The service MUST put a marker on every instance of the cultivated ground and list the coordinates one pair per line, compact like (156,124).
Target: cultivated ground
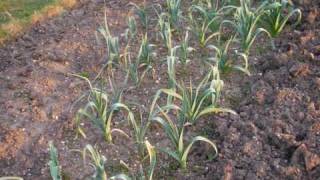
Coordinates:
(276,134)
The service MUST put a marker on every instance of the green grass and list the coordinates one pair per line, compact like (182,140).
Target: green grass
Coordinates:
(21,9)
(17,15)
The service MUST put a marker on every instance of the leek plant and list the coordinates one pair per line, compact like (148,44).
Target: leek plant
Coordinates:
(113,48)
(131,32)
(171,63)
(152,159)
(184,50)
(225,61)
(145,52)
(274,18)
(143,61)
(165,31)
(174,11)
(98,162)
(145,173)
(99,110)
(204,28)
(176,135)
(194,101)
(55,170)
(142,14)
(116,91)
(139,128)
(246,24)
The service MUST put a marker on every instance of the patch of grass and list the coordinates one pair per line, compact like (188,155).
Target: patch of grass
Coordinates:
(21,9)
(16,15)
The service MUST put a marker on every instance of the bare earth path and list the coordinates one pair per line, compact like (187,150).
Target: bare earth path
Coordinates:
(275,136)
(35,90)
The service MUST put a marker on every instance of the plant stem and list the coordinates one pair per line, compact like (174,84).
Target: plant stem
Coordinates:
(273,45)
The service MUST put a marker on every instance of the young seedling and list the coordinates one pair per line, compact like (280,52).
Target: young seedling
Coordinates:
(176,135)
(55,170)
(274,18)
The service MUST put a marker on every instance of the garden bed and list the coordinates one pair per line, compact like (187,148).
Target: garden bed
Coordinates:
(275,133)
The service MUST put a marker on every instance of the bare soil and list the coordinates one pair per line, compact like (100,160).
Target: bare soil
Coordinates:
(276,134)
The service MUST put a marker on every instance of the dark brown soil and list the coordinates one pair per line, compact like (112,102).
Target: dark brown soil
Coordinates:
(276,134)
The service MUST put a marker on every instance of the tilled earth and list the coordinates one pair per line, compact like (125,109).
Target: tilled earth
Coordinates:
(276,134)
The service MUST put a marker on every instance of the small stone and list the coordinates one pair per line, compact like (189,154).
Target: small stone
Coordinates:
(315,128)
(299,69)
(311,107)
(292,171)
(300,116)
(312,160)
(317,82)
(228,172)
(252,148)
(262,92)
(312,15)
